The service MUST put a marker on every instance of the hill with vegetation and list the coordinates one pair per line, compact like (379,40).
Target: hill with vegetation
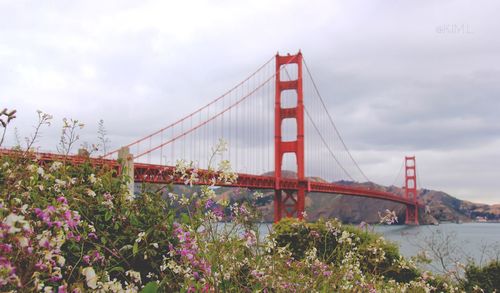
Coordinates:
(441,207)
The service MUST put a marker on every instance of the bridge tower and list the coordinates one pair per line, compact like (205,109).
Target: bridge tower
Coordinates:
(289,203)
(411,191)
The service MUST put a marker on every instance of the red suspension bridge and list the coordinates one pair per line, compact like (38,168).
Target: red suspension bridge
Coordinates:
(272,121)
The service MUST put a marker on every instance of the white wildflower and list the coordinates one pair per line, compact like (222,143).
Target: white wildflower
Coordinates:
(90,277)
(55,166)
(140,237)
(91,193)
(135,276)
(12,219)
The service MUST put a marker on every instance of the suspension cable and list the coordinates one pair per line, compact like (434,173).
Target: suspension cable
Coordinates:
(328,147)
(195,112)
(331,121)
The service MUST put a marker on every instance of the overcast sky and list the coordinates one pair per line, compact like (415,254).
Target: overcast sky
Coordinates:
(399,77)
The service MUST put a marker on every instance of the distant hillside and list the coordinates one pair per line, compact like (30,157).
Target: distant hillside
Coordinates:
(354,209)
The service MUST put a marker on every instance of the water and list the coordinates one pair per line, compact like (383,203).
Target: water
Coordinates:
(478,242)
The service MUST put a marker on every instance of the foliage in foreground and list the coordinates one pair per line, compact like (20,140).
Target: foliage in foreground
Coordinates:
(486,278)
(67,228)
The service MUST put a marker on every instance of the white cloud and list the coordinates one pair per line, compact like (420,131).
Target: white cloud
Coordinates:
(394,84)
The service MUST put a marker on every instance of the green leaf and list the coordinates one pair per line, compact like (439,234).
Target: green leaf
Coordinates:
(135,249)
(107,215)
(133,220)
(117,269)
(125,248)
(185,218)
(150,287)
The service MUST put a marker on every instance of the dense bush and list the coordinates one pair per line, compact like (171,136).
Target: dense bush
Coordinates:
(333,241)
(486,278)
(63,224)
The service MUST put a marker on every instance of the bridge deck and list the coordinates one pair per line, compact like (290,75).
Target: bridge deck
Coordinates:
(164,174)
(151,173)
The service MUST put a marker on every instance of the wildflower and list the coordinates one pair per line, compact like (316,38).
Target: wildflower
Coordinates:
(60,183)
(226,175)
(258,195)
(250,238)
(140,237)
(62,200)
(91,193)
(24,208)
(12,219)
(92,178)
(209,204)
(60,260)
(90,277)
(62,289)
(40,171)
(55,166)
(72,218)
(184,200)
(173,197)
(135,276)
(6,248)
(7,272)
(314,234)
(192,178)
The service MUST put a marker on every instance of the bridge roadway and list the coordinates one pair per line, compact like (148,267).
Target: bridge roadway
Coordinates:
(151,173)
(164,174)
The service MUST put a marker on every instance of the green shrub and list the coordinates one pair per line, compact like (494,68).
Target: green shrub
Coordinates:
(332,241)
(77,217)
(486,278)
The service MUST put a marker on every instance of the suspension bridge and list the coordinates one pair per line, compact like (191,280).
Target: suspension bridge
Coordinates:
(280,136)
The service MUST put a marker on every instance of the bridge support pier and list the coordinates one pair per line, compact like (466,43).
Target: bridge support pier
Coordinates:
(411,215)
(289,203)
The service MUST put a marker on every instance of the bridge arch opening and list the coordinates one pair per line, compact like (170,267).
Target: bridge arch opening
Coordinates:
(289,72)
(289,129)
(289,163)
(288,99)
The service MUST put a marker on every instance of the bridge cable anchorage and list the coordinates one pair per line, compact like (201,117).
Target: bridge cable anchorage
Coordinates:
(333,123)
(195,112)
(321,136)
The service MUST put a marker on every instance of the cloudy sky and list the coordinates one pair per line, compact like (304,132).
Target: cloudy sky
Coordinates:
(399,77)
